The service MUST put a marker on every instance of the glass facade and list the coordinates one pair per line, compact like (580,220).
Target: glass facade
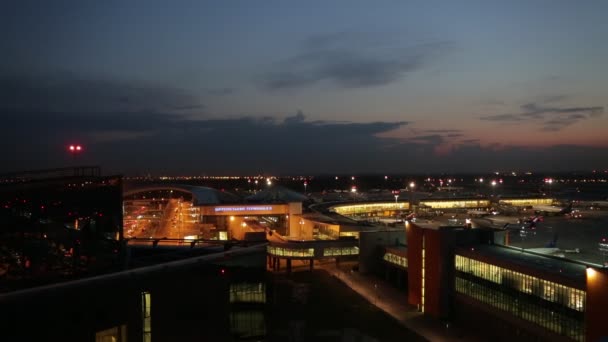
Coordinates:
(248,325)
(353,234)
(291,252)
(371,208)
(338,251)
(395,259)
(146,313)
(326,232)
(551,305)
(456,204)
(520,202)
(248,293)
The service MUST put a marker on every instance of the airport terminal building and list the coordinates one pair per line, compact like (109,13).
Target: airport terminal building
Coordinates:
(455,272)
(451,271)
(460,274)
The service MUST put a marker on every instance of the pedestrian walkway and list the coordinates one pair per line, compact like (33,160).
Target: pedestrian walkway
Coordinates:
(394,302)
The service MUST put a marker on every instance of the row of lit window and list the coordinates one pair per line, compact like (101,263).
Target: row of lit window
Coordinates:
(456,204)
(361,208)
(248,293)
(423,271)
(395,259)
(528,201)
(337,251)
(353,234)
(519,307)
(548,290)
(291,252)
(146,310)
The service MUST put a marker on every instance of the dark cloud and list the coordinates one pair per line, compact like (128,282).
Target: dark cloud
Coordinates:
(443,131)
(561,122)
(127,142)
(433,139)
(552,118)
(503,117)
(349,63)
(150,129)
(142,142)
(297,118)
(66,93)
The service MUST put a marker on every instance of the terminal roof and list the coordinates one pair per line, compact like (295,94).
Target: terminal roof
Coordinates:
(553,267)
(277,194)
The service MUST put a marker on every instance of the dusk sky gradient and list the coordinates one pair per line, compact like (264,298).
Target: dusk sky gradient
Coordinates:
(285,87)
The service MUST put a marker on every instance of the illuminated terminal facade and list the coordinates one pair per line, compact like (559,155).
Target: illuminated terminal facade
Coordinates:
(227,216)
(460,274)
(466,275)
(451,272)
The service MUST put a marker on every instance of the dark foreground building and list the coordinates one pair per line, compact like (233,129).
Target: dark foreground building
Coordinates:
(57,225)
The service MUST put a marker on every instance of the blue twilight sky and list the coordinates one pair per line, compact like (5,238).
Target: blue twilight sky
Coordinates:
(248,87)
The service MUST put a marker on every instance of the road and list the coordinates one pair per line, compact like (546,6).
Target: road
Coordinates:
(394,302)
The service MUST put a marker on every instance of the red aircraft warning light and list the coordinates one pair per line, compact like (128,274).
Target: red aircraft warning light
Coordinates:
(75,148)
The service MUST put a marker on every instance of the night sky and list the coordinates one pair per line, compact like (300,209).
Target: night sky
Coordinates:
(304,87)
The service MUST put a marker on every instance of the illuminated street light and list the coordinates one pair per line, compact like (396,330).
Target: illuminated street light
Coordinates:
(549,181)
(396,206)
(412,186)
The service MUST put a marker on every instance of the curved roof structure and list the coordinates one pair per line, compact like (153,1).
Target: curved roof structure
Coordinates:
(277,194)
(201,195)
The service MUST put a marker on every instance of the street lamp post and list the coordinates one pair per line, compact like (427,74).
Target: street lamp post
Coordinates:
(396,206)
(493,187)
(305,184)
(412,186)
(549,181)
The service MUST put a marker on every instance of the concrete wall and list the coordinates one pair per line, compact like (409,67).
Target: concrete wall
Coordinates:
(295,216)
